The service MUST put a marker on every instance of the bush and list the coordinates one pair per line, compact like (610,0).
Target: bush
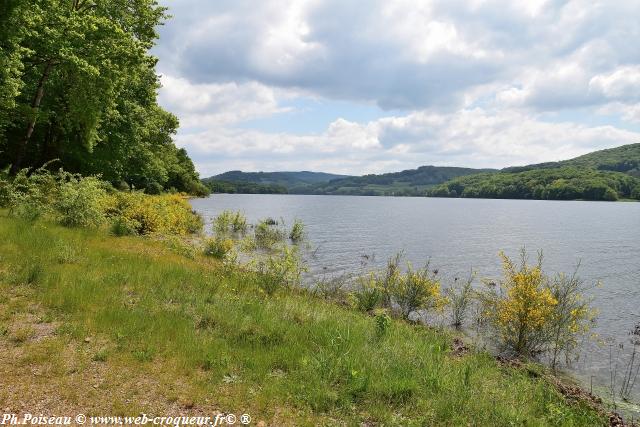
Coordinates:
(281,270)
(230,222)
(533,314)
(459,301)
(416,290)
(146,214)
(367,294)
(218,247)
(267,234)
(297,231)
(154,188)
(79,201)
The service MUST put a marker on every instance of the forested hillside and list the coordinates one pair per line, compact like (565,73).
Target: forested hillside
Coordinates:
(610,174)
(624,159)
(284,179)
(78,90)
(411,182)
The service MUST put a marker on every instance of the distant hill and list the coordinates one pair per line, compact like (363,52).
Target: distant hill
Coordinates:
(609,174)
(625,159)
(410,182)
(285,179)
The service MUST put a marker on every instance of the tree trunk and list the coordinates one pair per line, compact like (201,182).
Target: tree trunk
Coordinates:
(35,107)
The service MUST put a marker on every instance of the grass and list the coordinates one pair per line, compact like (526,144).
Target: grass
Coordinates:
(139,327)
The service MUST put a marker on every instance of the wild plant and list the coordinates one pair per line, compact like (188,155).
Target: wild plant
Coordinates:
(297,231)
(459,300)
(532,314)
(382,321)
(281,270)
(572,316)
(218,247)
(367,293)
(267,234)
(415,290)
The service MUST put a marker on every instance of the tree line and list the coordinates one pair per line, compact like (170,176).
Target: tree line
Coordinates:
(563,183)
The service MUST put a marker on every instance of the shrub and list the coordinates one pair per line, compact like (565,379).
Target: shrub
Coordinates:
(239,223)
(459,301)
(230,222)
(154,188)
(146,214)
(416,290)
(281,270)
(572,317)
(79,201)
(297,231)
(267,234)
(121,226)
(521,310)
(218,247)
(533,314)
(367,294)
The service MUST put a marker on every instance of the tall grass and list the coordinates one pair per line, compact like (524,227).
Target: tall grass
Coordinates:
(292,358)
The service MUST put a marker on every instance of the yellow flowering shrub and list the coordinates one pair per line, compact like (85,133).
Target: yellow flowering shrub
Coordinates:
(146,214)
(533,314)
(417,290)
(526,307)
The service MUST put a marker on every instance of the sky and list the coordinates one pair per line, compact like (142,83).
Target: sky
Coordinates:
(373,86)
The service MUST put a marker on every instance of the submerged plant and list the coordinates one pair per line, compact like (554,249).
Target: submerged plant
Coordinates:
(297,231)
(417,290)
(267,234)
(459,301)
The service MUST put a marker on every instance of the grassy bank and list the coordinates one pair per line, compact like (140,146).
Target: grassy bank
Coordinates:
(117,326)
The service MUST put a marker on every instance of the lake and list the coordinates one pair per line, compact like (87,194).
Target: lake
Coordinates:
(462,234)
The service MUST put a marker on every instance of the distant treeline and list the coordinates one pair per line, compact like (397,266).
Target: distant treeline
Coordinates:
(217,186)
(560,183)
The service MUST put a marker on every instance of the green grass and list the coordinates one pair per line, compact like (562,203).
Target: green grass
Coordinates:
(289,359)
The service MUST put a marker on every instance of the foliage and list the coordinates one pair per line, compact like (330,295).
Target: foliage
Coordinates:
(74,201)
(79,201)
(602,175)
(230,222)
(383,322)
(146,214)
(77,84)
(267,233)
(281,270)
(367,293)
(533,314)
(218,186)
(417,290)
(459,301)
(297,231)
(573,316)
(218,247)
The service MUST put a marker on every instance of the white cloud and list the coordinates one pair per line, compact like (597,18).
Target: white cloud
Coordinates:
(202,105)
(468,80)
(474,137)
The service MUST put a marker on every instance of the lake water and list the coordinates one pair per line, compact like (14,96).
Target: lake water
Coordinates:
(460,234)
